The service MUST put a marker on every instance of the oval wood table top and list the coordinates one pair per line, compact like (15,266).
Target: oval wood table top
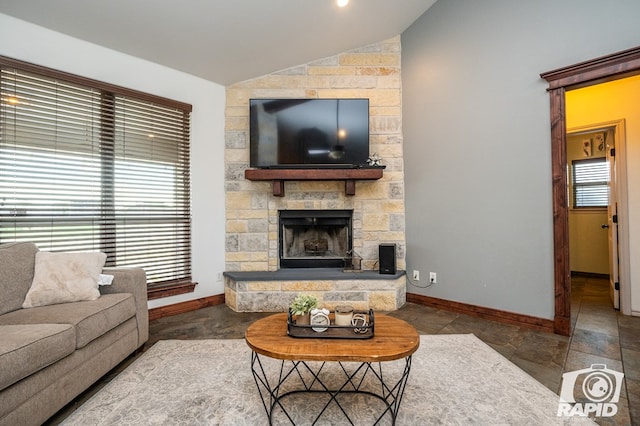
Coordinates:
(393,339)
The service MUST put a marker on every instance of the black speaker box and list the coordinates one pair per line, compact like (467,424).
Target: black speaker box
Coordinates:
(387,258)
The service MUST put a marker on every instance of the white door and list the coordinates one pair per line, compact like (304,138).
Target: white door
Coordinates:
(612,223)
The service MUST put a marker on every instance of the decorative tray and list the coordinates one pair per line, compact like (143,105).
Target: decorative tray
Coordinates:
(331,330)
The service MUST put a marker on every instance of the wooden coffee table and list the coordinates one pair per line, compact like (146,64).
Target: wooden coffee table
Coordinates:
(393,339)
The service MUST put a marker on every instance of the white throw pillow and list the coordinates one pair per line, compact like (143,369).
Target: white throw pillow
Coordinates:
(64,277)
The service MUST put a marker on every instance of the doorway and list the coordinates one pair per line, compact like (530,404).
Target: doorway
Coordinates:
(599,70)
(593,186)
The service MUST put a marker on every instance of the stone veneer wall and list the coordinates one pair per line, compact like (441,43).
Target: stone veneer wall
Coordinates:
(371,72)
(262,292)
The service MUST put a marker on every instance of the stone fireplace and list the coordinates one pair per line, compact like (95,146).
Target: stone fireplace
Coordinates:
(260,274)
(315,238)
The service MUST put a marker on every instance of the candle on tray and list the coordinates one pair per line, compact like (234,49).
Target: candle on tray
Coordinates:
(344,314)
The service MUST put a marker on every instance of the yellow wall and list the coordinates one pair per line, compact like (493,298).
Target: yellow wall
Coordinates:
(607,102)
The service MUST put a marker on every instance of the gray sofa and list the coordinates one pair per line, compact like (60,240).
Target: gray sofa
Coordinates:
(51,354)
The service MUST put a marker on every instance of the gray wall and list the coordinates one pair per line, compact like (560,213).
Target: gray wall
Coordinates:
(477,140)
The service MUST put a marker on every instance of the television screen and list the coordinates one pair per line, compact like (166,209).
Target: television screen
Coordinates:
(309,132)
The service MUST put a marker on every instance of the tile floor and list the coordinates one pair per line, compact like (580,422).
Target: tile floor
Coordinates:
(600,336)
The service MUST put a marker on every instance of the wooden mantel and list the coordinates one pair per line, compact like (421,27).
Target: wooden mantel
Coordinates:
(279,176)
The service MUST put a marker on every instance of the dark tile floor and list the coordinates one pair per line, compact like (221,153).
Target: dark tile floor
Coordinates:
(600,336)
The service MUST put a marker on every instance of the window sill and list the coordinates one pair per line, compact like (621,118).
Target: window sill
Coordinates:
(170,290)
(588,210)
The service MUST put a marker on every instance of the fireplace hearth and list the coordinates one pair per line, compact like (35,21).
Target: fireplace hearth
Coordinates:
(315,238)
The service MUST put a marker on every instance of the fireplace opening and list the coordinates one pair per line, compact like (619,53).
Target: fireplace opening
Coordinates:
(315,238)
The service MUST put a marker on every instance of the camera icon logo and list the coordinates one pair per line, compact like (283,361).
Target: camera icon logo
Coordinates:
(594,390)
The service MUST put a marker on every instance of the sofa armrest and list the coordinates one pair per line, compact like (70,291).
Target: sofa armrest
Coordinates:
(134,281)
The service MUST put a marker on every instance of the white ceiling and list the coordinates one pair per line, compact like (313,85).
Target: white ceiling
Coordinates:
(223,41)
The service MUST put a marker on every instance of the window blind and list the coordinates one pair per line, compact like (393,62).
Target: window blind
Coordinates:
(85,168)
(590,182)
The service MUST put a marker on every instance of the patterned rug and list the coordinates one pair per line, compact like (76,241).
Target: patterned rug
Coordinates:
(454,380)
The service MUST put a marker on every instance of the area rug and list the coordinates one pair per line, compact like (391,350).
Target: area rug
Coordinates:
(454,380)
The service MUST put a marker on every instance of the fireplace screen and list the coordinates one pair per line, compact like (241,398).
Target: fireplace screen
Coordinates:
(314,238)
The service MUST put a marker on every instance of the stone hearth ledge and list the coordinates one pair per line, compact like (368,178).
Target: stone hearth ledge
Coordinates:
(273,291)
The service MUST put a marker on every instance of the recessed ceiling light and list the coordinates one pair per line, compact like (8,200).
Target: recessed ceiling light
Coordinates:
(342,3)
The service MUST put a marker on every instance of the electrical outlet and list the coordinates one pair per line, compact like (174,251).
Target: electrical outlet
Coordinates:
(432,277)
(219,276)
(416,275)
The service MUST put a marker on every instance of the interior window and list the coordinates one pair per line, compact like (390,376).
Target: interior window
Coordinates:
(590,182)
(85,166)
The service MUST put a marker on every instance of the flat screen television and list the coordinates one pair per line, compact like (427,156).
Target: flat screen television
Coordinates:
(294,133)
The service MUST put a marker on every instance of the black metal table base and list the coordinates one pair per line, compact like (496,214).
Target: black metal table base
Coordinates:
(295,377)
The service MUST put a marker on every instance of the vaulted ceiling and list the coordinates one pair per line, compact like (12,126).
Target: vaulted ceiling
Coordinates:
(224,41)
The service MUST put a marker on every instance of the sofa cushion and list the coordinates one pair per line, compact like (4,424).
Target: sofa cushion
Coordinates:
(90,318)
(16,263)
(64,277)
(25,349)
